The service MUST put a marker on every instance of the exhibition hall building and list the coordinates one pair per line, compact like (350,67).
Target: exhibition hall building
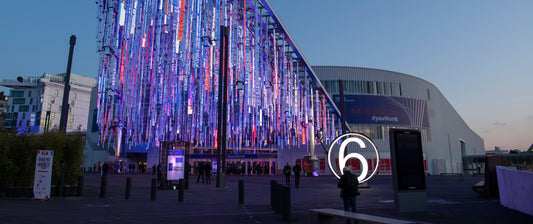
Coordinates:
(377,101)
(225,83)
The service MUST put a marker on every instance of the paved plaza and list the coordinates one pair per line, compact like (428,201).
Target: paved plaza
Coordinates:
(450,200)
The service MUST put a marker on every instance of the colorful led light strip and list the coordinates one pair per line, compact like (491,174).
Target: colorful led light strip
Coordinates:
(158,76)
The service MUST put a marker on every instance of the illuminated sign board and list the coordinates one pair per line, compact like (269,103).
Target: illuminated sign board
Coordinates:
(353,146)
(384,110)
(176,165)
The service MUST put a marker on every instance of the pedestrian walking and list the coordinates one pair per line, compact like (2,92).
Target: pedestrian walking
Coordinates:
(201,172)
(287,172)
(297,169)
(208,169)
(349,186)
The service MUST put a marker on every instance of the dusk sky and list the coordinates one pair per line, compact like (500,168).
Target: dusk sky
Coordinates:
(478,53)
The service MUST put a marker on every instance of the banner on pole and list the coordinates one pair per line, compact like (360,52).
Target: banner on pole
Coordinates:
(43,174)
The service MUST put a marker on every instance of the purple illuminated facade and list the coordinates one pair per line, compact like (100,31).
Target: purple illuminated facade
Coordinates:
(159,73)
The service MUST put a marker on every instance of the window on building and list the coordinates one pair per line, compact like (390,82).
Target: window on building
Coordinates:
(53,100)
(71,118)
(55,92)
(429,97)
(29,93)
(379,88)
(31,100)
(16,94)
(24,108)
(72,103)
(69,125)
(19,100)
(8,116)
(53,115)
(23,116)
(49,106)
(74,96)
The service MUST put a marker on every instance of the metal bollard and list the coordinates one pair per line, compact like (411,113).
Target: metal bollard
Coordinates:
(181,190)
(103,186)
(272,194)
(154,186)
(128,188)
(278,198)
(80,186)
(241,192)
(286,204)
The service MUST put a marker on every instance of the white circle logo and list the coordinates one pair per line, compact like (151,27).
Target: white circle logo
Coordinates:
(353,152)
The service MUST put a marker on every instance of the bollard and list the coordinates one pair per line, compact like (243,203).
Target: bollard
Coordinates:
(286,204)
(241,192)
(154,186)
(103,186)
(277,197)
(80,186)
(272,198)
(181,190)
(128,188)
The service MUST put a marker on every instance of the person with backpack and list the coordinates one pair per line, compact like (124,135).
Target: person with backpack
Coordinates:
(349,186)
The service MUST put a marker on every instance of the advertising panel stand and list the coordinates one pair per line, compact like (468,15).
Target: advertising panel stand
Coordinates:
(408,170)
(43,174)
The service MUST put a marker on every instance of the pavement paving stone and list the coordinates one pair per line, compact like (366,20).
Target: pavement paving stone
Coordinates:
(450,200)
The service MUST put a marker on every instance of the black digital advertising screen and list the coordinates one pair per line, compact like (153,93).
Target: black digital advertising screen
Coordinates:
(407,160)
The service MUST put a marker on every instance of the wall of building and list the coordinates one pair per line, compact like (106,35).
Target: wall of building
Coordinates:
(442,148)
(37,96)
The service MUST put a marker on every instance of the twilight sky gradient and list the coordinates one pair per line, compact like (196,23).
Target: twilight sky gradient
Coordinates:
(479,53)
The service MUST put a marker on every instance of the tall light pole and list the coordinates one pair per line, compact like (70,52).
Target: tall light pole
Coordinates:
(66,89)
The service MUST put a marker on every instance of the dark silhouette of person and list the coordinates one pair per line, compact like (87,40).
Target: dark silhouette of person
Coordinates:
(201,172)
(208,168)
(297,169)
(287,172)
(105,168)
(349,186)
(159,172)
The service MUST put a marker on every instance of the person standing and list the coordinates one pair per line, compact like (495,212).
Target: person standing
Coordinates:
(201,172)
(297,169)
(105,167)
(208,168)
(287,172)
(349,186)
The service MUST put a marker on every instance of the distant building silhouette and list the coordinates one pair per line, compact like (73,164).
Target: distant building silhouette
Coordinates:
(34,103)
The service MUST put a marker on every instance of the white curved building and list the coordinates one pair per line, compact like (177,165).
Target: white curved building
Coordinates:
(378,100)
